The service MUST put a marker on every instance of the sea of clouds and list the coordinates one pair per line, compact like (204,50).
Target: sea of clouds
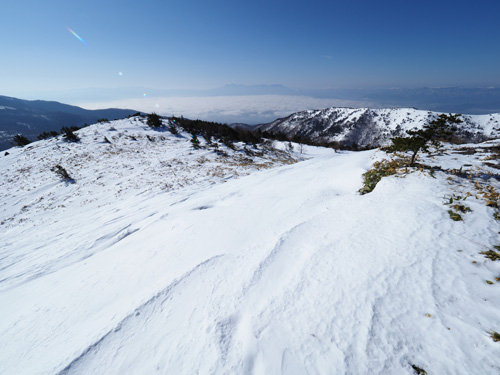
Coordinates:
(250,109)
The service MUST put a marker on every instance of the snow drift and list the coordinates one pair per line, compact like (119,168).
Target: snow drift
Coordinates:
(165,259)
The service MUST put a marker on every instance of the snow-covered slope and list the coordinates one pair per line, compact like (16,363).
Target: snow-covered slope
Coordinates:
(157,259)
(372,127)
(115,167)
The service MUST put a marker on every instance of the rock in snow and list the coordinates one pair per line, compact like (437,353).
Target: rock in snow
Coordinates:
(159,258)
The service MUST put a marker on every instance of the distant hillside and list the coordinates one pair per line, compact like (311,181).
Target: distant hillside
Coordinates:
(366,127)
(32,117)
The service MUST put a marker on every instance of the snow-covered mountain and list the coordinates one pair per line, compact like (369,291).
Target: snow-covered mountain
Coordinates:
(157,255)
(367,127)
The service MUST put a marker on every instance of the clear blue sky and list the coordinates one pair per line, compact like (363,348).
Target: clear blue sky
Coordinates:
(205,44)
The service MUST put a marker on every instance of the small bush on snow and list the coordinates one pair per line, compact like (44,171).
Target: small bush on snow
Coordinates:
(63,173)
(47,135)
(20,140)
(68,134)
(154,120)
(172,126)
(194,141)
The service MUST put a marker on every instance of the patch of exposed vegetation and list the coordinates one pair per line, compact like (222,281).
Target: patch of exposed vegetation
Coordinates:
(457,208)
(47,135)
(492,254)
(455,216)
(490,194)
(465,151)
(213,130)
(380,169)
(418,370)
(460,208)
(495,336)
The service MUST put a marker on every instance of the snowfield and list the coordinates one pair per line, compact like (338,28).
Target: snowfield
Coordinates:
(159,258)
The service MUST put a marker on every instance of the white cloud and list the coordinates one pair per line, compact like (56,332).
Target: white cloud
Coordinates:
(251,109)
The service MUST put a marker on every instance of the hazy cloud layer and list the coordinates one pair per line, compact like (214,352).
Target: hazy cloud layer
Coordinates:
(251,109)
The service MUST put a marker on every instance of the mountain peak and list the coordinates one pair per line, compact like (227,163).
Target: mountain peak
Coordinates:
(367,127)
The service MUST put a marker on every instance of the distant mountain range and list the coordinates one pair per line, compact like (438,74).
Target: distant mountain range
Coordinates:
(367,127)
(364,127)
(32,117)
(441,99)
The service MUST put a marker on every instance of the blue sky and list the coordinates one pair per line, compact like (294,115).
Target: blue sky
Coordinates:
(194,44)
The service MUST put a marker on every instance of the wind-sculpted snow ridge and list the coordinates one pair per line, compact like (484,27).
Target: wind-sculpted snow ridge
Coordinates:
(113,170)
(284,270)
(367,127)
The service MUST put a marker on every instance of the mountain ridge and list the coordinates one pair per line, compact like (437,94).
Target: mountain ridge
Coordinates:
(32,117)
(369,127)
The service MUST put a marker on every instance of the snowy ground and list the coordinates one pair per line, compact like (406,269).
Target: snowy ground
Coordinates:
(158,261)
